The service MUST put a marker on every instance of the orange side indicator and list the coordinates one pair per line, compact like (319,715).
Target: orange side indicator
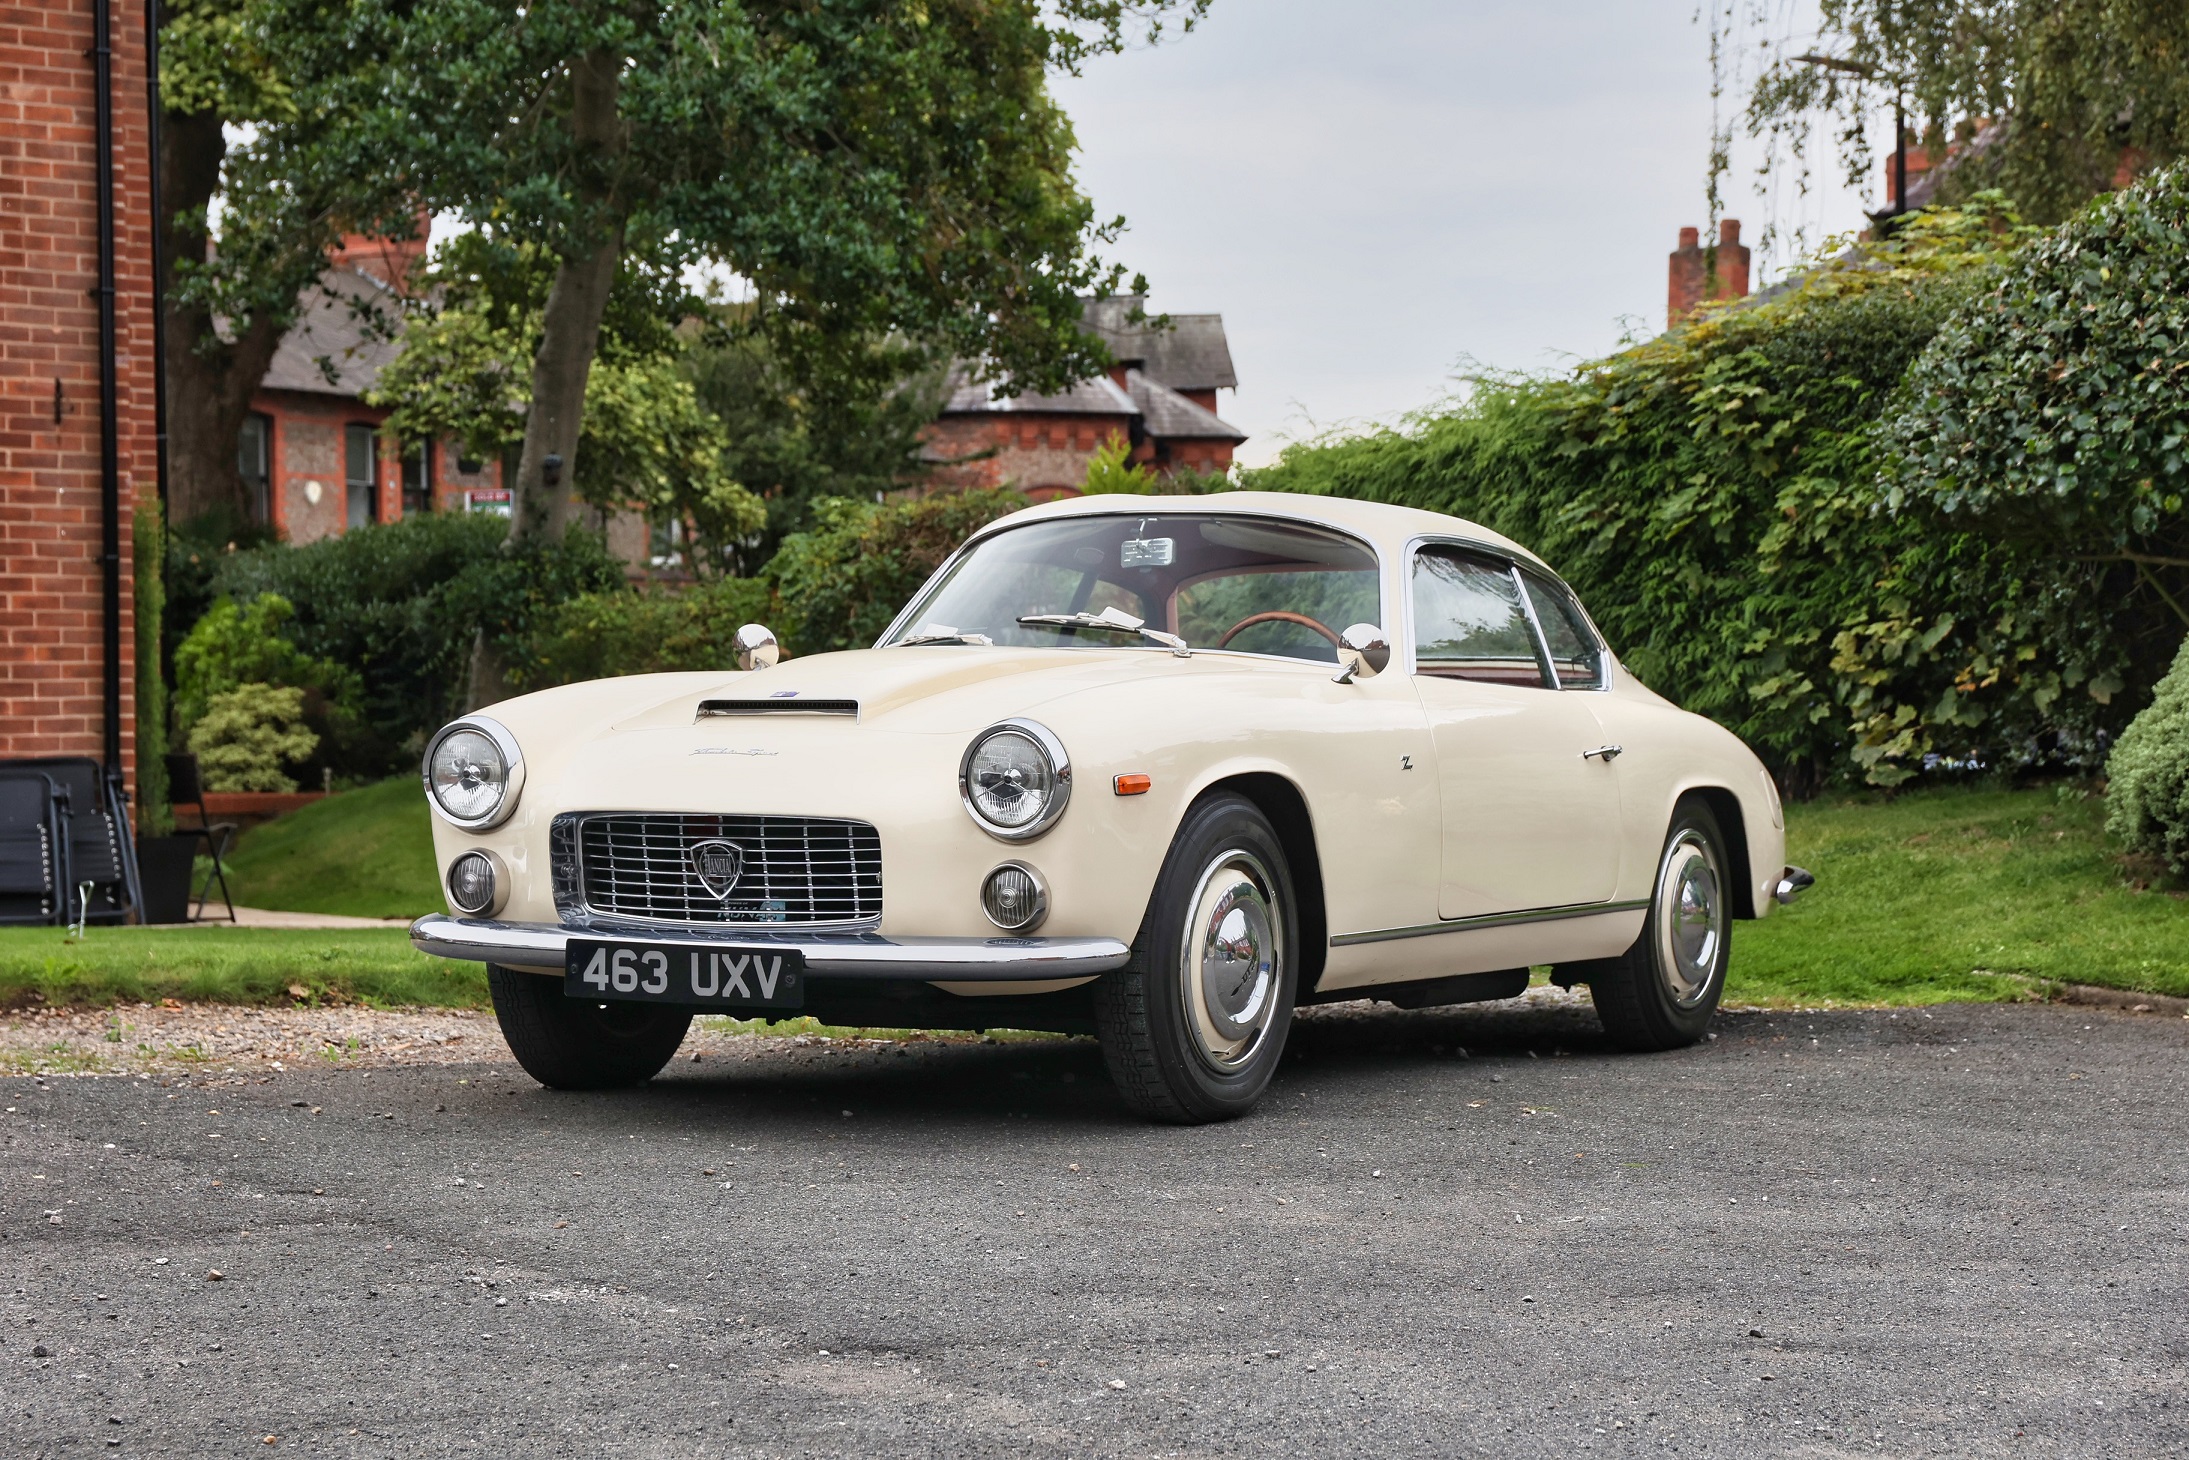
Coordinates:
(1135,785)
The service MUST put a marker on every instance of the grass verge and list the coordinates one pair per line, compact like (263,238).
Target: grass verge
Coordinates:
(366,853)
(1946,895)
(230,966)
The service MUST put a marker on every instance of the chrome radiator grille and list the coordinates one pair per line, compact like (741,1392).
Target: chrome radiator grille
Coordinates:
(792,869)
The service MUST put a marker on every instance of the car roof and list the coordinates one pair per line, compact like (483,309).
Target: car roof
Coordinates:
(1387,526)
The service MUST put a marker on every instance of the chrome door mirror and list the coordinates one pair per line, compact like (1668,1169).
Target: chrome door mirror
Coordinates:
(756,647)
(1363,653)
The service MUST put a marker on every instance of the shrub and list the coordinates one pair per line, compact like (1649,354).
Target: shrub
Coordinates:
(2147,776)
(841,583)
(402,604)
(1109,471)
(238,644)
(605,634)
(248,734)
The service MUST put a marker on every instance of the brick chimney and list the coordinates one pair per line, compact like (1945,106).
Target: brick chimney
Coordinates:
(1696,273)
(387,259)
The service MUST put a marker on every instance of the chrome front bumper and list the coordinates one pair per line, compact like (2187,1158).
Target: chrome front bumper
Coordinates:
(827,955)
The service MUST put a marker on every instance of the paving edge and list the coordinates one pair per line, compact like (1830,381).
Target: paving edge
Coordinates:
(2124,999)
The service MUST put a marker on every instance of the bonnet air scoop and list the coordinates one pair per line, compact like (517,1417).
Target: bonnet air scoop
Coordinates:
(780,705)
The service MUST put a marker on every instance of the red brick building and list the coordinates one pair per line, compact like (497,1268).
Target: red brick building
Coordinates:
(68,482)
(1160,397)
(312,451)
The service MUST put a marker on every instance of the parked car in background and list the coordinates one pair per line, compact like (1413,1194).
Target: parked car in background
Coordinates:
(1158,769)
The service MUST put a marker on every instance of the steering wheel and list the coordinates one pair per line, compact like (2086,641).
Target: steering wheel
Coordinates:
(1277,616)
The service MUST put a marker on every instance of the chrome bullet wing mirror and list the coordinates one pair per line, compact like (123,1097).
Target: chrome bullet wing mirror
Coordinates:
(1363,653)
(756,647)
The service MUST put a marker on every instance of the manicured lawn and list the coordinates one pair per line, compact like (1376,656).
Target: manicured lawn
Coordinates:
(1958,894)
(366,853)
(1922,898)
(229,966)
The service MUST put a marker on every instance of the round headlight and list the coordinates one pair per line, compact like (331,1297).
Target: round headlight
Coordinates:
(473,773)
(1015,779)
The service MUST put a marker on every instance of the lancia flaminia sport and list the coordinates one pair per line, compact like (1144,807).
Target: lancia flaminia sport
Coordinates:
(1155,768)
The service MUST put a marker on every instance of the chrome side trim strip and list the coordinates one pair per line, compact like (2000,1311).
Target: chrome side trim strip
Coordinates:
(1490,920)
(868,955)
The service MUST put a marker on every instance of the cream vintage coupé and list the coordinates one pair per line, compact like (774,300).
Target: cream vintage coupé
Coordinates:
(1156,768)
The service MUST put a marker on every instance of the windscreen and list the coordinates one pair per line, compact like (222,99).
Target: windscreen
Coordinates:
(1251,584)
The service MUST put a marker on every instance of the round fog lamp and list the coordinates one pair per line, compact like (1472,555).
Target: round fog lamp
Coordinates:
(1014,898)
(472,885)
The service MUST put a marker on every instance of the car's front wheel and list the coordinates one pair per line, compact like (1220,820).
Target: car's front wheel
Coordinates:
(1194,1027)
(1661,993)
(580,1044)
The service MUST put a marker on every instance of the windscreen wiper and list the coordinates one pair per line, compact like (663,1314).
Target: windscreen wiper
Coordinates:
(1114,619)
(939,634)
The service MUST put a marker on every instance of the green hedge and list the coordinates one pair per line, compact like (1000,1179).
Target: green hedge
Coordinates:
(1876,521)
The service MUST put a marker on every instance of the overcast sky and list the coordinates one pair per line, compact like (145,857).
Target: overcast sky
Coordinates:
(1374,193)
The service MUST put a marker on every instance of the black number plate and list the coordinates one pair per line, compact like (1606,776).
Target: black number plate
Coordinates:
(655,973)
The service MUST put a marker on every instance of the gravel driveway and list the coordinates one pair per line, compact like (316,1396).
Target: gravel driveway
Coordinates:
(1469,1232)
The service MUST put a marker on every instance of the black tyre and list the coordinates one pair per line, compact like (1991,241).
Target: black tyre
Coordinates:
(1193,1028)
(577,1044)
(1661,993)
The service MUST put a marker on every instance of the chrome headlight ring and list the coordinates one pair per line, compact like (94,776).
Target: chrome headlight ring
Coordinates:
(1059,766)
(505,744)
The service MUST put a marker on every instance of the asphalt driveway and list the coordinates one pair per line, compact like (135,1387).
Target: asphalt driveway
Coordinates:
(1470,1232)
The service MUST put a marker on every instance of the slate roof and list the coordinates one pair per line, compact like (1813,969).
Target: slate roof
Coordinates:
(334,325)
(1097,397)
(1169,416)
(1192,354)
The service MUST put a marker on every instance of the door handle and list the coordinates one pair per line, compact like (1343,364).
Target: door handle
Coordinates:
(1608,752)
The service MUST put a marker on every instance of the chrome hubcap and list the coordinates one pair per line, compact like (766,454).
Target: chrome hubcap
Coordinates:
(1232,961)
(1690,919)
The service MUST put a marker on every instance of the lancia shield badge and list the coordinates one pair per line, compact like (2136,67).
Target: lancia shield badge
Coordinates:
(718,865)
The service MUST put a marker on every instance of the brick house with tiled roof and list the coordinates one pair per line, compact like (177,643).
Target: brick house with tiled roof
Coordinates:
(312,450)
(1159,396)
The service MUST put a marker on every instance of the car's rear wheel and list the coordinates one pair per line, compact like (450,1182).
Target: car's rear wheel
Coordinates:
(1662,992)
(578,1044)
(1194,1027)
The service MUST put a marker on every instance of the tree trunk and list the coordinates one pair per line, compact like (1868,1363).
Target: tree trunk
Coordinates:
(570,329)
(210,379)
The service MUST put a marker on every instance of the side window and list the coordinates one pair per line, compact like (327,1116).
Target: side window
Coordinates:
(255,460)
(1469,622)
(1575,654)
(361,480)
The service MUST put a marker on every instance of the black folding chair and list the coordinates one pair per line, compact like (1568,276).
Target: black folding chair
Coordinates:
(184,787)
(34,870)
(101,849)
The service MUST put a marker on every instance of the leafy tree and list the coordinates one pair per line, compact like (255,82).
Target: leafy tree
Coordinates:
(804,422)
(2078,87)
(874,167)
(229,68)
(648,442)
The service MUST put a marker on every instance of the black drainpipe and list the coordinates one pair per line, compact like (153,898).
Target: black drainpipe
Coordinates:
(159,255)
(110,464)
